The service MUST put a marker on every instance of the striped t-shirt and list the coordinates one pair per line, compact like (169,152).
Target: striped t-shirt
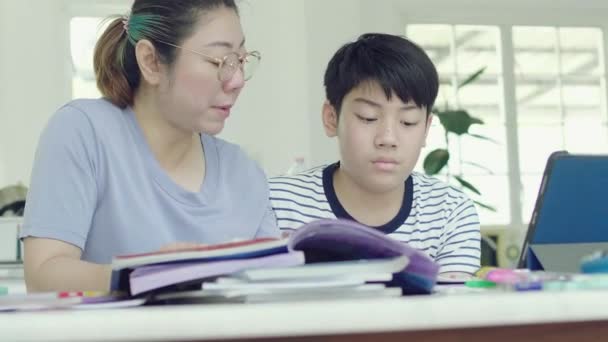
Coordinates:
(434,217)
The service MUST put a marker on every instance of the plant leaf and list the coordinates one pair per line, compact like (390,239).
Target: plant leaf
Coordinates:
(435,161)
(479,166)
(472,78)
(483,137)
(485,206)
(457,121)
(467,185)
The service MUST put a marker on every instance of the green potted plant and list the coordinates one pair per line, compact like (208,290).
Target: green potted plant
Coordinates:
(456,122)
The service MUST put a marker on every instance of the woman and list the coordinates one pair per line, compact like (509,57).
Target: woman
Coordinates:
(140,169)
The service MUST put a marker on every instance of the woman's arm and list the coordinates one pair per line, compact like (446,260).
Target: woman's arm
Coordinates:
(53,265)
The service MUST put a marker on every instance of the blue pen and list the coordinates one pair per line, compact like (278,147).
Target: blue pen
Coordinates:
(528,286)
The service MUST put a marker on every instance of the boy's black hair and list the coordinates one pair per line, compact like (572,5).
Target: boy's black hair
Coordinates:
(397,64)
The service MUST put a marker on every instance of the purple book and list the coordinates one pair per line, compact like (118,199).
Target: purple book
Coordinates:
(147,278)
(335,240)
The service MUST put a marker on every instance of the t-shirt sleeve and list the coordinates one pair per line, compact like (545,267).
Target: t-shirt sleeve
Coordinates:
(63,191)
(268,227)
(460,249)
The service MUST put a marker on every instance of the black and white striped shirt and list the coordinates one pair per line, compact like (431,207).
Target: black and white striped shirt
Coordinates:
(434,217)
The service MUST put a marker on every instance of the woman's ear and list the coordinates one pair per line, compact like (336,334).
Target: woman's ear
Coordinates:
(148,62)
(330,119)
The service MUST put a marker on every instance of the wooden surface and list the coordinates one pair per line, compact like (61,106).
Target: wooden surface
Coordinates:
(558,332)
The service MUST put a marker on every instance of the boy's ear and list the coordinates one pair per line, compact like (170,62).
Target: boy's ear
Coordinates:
(330,119)
(149,65)
(429,121)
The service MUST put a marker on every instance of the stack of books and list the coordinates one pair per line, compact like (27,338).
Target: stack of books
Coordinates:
(319,281)
(323,259)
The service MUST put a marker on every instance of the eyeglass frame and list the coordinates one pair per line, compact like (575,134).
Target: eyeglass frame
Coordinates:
(219,62)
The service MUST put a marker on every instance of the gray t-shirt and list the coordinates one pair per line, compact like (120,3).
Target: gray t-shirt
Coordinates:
(97,185)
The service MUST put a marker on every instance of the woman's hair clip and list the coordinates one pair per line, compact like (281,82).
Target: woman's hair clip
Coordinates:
(125,23)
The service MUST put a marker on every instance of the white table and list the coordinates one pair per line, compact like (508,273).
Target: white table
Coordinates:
(12,277)
(466,316)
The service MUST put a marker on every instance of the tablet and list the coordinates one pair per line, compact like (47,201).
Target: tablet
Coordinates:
(570,217)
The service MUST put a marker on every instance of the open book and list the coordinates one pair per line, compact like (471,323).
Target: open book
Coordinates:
(336,240)
(318,241)
(223,251)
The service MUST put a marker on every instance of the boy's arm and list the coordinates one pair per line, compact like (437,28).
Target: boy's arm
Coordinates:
(460,243)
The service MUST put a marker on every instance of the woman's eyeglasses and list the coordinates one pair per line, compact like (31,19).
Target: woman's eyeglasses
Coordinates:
(229,64)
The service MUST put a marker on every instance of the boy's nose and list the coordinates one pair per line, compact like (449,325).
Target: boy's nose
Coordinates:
(386,137)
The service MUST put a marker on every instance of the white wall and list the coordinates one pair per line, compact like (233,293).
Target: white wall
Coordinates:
(278,115)
(271,116)
(330,24)
(32,75)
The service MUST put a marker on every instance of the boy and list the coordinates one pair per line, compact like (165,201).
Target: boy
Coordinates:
(380,91)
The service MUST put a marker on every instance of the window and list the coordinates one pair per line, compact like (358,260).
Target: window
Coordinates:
(557,74)
(84,32)
(559,82)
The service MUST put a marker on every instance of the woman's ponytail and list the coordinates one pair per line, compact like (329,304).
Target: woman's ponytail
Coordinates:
(109,64)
